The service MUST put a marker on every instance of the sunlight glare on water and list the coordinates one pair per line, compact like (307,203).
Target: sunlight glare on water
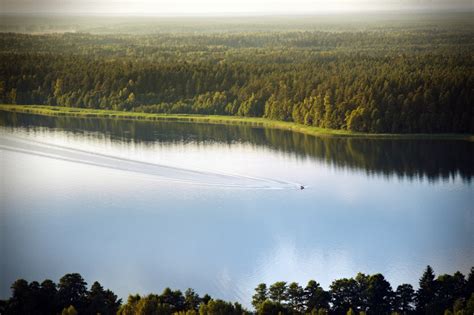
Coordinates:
(218,208)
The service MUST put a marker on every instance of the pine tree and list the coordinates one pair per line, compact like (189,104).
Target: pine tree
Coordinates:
(426,293)
(261,294)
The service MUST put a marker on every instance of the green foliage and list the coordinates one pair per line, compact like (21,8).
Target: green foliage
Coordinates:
(269,307)
(174,299)
(70,296)
(350,312)
(151,305)
(316,297)
(470,304)
(344,294)
(470,283)
(191,300)
(218,307)
(425,296)
(367,294)
(323,311)
(72,290)
(101,301)
(278,292)
(379,294)
(404,298)
(458,306)
(69,311)
(260,296)
(448,288)
(364,294)
(407,78)
(296,297)
(173,302)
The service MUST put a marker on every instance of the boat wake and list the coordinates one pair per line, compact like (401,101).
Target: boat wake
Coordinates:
(158,171)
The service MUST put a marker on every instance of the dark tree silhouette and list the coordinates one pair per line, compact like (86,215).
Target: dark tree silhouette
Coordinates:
(315,296)
(379,295)
(101,301)
(278,292)
(344,295)
(364,294)
(404,299)
(191,299)
(72,290)
(425,296)
(260,296)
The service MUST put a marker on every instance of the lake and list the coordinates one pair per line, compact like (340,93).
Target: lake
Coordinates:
(140,206)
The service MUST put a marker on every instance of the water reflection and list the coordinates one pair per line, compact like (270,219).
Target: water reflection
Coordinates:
(412,159)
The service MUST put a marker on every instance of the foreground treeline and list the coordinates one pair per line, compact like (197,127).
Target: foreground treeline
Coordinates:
(364,294)
(370,294)
(70,296)
(384,80)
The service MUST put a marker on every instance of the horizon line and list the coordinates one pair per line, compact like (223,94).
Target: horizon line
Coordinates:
(418,9)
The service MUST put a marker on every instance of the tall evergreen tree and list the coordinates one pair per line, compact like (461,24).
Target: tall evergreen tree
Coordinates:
(425,296)
(278,292)
(404,298)
(260,296)
(315,296)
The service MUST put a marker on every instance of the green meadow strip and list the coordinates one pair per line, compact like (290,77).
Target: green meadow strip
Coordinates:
(46,110)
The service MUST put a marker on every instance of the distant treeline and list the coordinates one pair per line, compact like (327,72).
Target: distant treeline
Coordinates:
(381,80)
(364,294)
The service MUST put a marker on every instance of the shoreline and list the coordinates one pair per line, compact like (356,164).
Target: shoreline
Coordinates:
(58,111)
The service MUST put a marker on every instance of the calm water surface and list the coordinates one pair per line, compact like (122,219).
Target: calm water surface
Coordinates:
(140,206)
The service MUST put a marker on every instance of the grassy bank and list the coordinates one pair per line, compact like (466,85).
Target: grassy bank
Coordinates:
(212,119)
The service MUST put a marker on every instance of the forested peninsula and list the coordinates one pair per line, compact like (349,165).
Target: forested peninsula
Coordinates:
(90,113)
(396,77)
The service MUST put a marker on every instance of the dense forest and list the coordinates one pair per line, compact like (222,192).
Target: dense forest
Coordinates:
(403,77)
(363,294)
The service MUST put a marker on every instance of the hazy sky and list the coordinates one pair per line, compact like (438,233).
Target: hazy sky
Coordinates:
(200,7)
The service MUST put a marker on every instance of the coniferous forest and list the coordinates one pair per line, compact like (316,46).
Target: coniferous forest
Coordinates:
(396,73)
(410,75)
(364,294)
